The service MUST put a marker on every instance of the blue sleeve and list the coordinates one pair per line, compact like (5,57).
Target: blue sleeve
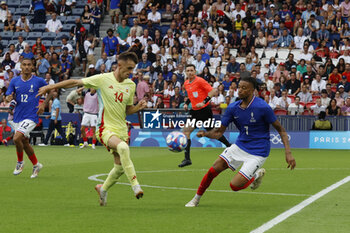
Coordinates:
(138,66)
(11,88)
(47,64)
(270,116)
(227,118)
(68,65)
(105,40)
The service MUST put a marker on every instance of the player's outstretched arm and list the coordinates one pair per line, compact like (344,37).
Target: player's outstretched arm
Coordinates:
(131,109)
(215,133)
(64,84)
(282,132)
(41,107)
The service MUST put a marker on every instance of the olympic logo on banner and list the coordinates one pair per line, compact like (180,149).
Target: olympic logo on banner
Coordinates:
(276,138)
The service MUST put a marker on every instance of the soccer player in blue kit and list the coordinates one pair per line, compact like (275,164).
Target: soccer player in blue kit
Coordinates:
(23,89)
(253,117)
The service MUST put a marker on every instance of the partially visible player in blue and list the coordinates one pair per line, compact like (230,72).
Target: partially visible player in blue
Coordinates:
(23,89)
(253,117)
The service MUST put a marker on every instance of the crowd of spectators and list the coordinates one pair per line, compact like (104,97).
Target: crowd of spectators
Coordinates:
(297,50)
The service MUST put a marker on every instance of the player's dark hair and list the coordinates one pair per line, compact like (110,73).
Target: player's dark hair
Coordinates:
(28,59)
(252,81)
(190,65)
(128,56)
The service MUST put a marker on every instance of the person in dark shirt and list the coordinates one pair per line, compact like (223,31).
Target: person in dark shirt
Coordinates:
(293,85)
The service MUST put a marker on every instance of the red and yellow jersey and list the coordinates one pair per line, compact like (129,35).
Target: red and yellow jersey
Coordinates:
(197,91)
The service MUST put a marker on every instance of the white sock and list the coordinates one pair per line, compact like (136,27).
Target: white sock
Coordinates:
(198,197)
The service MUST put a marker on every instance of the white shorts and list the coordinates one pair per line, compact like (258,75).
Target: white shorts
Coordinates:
(25,127)
(89,120)
(235,157)
(12,124)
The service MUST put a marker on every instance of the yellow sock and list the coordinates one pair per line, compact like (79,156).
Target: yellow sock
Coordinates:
(128,166)
(113,176)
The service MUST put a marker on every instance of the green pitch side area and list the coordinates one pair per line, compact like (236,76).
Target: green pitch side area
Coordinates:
(62,199)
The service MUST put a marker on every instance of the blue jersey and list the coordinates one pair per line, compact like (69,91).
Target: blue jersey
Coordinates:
(253,124)
(25,92)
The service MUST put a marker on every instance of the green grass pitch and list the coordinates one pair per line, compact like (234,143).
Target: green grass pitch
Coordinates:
(62,199)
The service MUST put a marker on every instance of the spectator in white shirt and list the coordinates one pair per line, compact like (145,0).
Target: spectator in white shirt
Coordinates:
(4,11)
(238,11)
(284,101)
(54,24)
(305,95)
(22,24)
(306,55)
(154,16)
(324,98)
(299,39)
(269,102)
(318,85)
(295,108)
(317,108)
(199,64)
(273,98)
(20,45)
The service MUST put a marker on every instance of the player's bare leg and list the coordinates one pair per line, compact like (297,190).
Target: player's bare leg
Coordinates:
(18,140)
(219,166)
(93,137)
(83,135)
(187,161)
(239,182)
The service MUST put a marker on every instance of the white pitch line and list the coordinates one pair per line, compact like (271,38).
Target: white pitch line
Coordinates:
(300,206)
(95,178)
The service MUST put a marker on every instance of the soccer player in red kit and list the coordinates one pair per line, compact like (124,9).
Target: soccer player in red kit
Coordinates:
(199,94)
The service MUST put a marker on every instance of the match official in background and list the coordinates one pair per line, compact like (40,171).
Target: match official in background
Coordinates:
(199,94)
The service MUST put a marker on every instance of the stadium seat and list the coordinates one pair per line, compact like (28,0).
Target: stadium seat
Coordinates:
(216,111)
(21,11)
(12,42)
(279,60)
(71,19)
(77,11)
(302,104)
(264,61)
(17,34)
(334,89)
(7,35)
(280,112)
(31,42)
(40,27)
(48,36)
(34,35)
(309,104)
(335,61)
(67,27)
(14,4)
(57,43)
(264,70)
(47,43)
(164,29)
(292,97)
(307,113)
(315,97)
(270,53)
(233,52)
(259,51)
(296,53)
(283,53)
(60,35)
(240,60)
